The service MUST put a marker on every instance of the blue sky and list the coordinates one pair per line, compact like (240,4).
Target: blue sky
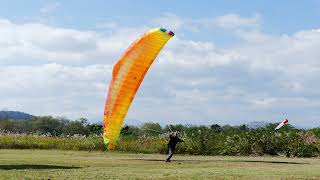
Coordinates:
(278,17)
(231,62)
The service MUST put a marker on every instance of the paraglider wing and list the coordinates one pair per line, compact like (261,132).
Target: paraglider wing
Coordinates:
(127,76)
(284,122)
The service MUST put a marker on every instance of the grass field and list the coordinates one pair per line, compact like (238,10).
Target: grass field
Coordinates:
(54,164)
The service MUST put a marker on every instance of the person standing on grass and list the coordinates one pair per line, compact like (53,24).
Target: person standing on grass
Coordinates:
(173,141)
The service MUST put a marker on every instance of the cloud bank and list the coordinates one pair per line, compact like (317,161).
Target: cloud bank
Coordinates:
(46,69)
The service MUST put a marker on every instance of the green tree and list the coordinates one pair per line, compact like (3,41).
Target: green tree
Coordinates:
(75,127)
(151,129)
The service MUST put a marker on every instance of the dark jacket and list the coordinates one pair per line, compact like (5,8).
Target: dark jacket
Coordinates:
(174,141)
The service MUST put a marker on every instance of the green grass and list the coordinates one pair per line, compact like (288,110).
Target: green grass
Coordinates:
(57,164)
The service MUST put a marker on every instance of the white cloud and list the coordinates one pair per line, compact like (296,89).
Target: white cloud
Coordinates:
(231,22)
(106,25)
(67,46)
(55,89)
(65,72)
(234,21)
(260,79)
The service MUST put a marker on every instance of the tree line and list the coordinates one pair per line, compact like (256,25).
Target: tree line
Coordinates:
(152,138)
(50,126)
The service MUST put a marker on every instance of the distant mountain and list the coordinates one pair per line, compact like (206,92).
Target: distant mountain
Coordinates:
(257,124)
(16,115)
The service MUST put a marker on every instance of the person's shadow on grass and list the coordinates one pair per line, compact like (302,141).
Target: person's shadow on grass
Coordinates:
(29,166)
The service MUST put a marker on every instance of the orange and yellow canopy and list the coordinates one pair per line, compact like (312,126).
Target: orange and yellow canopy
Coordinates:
(127,76)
